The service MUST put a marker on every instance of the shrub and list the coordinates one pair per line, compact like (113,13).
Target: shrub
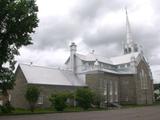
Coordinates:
(32,94)
(58,100)
(6,108)
(97,99)
(84,97)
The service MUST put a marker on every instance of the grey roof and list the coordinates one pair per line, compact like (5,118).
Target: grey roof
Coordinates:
(93,57)
(50,76)
(113,60)
(110,71)
(123,58)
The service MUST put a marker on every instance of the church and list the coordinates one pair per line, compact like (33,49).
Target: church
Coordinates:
(124,79)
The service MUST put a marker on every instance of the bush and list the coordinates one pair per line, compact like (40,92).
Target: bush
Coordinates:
(6,108)
(58,100)
(97,99)
(84,97)
(32,94)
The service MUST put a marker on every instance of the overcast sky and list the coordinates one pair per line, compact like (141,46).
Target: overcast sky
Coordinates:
(93,24)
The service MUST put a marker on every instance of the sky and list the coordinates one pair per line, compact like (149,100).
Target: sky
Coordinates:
(97,25)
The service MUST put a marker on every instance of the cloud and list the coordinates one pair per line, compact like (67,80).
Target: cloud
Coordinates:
(89,10)
(55,32)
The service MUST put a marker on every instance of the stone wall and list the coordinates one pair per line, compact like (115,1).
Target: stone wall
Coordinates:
(18,94)
(126,86)
(144,96)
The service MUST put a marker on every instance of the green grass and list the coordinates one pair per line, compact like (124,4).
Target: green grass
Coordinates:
(19,111)
(157,103)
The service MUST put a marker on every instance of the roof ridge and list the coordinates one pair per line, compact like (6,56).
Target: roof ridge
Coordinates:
(39,66)
(56,67)
(125,55)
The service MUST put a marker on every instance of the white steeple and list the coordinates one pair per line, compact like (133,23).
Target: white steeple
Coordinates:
(129,45)
(129,39)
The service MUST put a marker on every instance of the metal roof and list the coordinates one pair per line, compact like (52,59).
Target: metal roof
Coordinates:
(123,58)
(50,76)
(93,57)
(113,60)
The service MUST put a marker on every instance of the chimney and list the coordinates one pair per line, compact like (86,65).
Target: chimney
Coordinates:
(73,49)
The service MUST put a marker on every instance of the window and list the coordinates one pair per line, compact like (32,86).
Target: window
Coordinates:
(105,87)
(125,66)
(128,64)
(9,98)
(126,99)
(116,88)
(40,100)
(143,80)
(111,91)
(116,91)
(119,66)
(129,49)
(111,88)
(126,50)
(1,102)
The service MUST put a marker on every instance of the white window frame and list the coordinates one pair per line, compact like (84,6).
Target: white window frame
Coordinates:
(40,100)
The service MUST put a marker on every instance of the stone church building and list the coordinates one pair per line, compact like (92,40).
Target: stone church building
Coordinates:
(124,79)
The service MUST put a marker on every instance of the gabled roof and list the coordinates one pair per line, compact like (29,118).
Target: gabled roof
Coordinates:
(50,76)
(113,60)
(93,57)
(123,58)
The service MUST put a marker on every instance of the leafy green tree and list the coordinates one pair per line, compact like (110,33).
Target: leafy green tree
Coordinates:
(18,20)
(84,97)
(58,100)
(31,95)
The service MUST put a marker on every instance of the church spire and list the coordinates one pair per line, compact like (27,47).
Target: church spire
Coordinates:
(129,46)
(129,39)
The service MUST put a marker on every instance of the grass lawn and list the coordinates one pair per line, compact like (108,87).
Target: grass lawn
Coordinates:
(19,111)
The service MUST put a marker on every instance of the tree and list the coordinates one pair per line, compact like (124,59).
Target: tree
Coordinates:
(32,94)
(84,97)
(18,20)
(58,100)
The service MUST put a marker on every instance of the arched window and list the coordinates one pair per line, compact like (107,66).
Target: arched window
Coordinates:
(143,78)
